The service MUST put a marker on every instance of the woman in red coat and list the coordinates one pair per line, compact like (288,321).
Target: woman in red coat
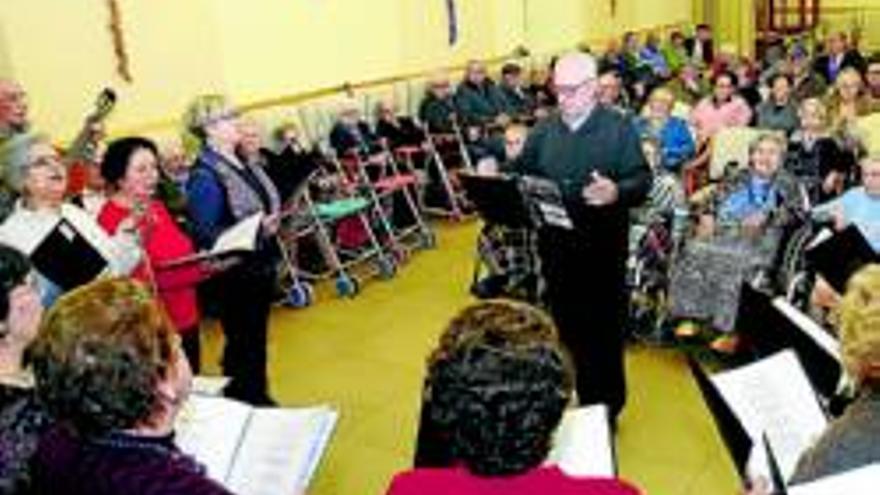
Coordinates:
(130,169)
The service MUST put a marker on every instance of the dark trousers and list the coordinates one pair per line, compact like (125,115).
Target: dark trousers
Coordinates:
(245,297)
(192,348)
(587,298)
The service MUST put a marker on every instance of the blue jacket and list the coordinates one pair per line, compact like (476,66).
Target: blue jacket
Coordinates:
(676,142)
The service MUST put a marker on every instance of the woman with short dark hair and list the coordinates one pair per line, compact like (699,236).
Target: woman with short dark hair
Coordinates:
(496,389)
(22,417)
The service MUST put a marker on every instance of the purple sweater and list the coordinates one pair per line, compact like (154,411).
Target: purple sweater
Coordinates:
(116,465)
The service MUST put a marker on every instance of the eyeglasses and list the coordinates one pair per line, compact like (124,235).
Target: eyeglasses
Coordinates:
(570,90)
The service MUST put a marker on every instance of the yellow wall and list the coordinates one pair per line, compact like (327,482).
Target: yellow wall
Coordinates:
(62,53)
(843,15)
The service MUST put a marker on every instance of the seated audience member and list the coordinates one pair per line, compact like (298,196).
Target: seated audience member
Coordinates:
(778,112)
(872,76)
(290,157)
(478,100)
(675,52)
(251,149)
(437,110)
(611,92)
(850,441)
(541,89)
(700,48)
(130,167)
(814,156)
(224,191)
(109,367)
(724,108)
(736,240)
(652,56)
(496,388)
(13,120)
(33,169)
(666,192)
(860,205)
(846,102)
(837,57)
(22,417)
(805,82)
(517,102)
(352,135)
(747,78)
(688,85)
(672,133)
(399,130)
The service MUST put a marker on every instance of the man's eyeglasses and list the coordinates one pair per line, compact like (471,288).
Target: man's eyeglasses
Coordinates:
(570,90)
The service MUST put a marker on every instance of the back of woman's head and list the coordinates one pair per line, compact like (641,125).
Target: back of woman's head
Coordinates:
(101,351)
(499,384)
(860,325)
(14,269)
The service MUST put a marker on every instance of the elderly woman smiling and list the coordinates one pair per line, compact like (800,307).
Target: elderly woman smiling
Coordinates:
(33,168)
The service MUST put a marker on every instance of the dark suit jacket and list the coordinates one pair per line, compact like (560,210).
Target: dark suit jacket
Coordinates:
(708,49)
(852,58)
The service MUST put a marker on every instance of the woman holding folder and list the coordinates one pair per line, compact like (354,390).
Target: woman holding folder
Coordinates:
(130,170)
(224,190)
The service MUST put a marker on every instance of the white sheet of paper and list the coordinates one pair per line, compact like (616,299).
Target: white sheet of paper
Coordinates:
(209,385)
(582,444)
(210,430)
(255,451)
(809,327)
(774,395)
(240,237)
(861,481)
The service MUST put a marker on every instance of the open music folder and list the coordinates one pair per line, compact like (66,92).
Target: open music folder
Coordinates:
(771,398)
(253,450)
(72,253)
(838,255)
(583,445)
(773,325)
(239,238)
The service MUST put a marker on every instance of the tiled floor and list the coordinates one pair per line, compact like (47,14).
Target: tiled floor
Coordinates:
(366,356)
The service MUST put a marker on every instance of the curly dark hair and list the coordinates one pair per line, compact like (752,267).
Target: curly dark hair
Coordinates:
(101,350)
(117,157)
(498,385)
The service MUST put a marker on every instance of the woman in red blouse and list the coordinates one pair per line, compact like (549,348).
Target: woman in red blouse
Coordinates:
(130,169)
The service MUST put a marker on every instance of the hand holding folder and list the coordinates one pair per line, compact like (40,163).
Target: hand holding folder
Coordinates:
(240,238)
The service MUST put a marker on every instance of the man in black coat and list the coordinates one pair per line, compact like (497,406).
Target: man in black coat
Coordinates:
(593,154)
(837,57)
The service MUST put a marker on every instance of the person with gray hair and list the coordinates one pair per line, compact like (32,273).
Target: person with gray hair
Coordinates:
(32,168)
(13,122)
(593,154)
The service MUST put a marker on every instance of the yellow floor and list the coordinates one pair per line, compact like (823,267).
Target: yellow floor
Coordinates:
(366,357)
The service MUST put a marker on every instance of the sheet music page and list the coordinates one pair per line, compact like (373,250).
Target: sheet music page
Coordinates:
(281,450)
(582,444)
(211,429)
(86,226)
(809,326)
(774,395)
(240,237)
(861,481)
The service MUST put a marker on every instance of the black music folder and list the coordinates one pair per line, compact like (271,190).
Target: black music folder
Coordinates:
(498,199)
(837,257)
(772,325)
(67,258)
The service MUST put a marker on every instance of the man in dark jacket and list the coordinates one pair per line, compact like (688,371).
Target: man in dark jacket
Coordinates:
(592,153)
(837,57)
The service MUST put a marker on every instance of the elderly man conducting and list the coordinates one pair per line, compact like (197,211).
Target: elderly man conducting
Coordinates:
(593,154)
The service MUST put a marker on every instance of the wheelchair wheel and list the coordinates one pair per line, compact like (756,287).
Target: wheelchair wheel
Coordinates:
(346,286)
(300,295)
(793,263)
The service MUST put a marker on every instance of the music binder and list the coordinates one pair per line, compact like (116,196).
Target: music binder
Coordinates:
(773,325)
(497,199)
(771,397)
(582,445)
(240,238)
(255,450)
(67,257)
(839,256)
